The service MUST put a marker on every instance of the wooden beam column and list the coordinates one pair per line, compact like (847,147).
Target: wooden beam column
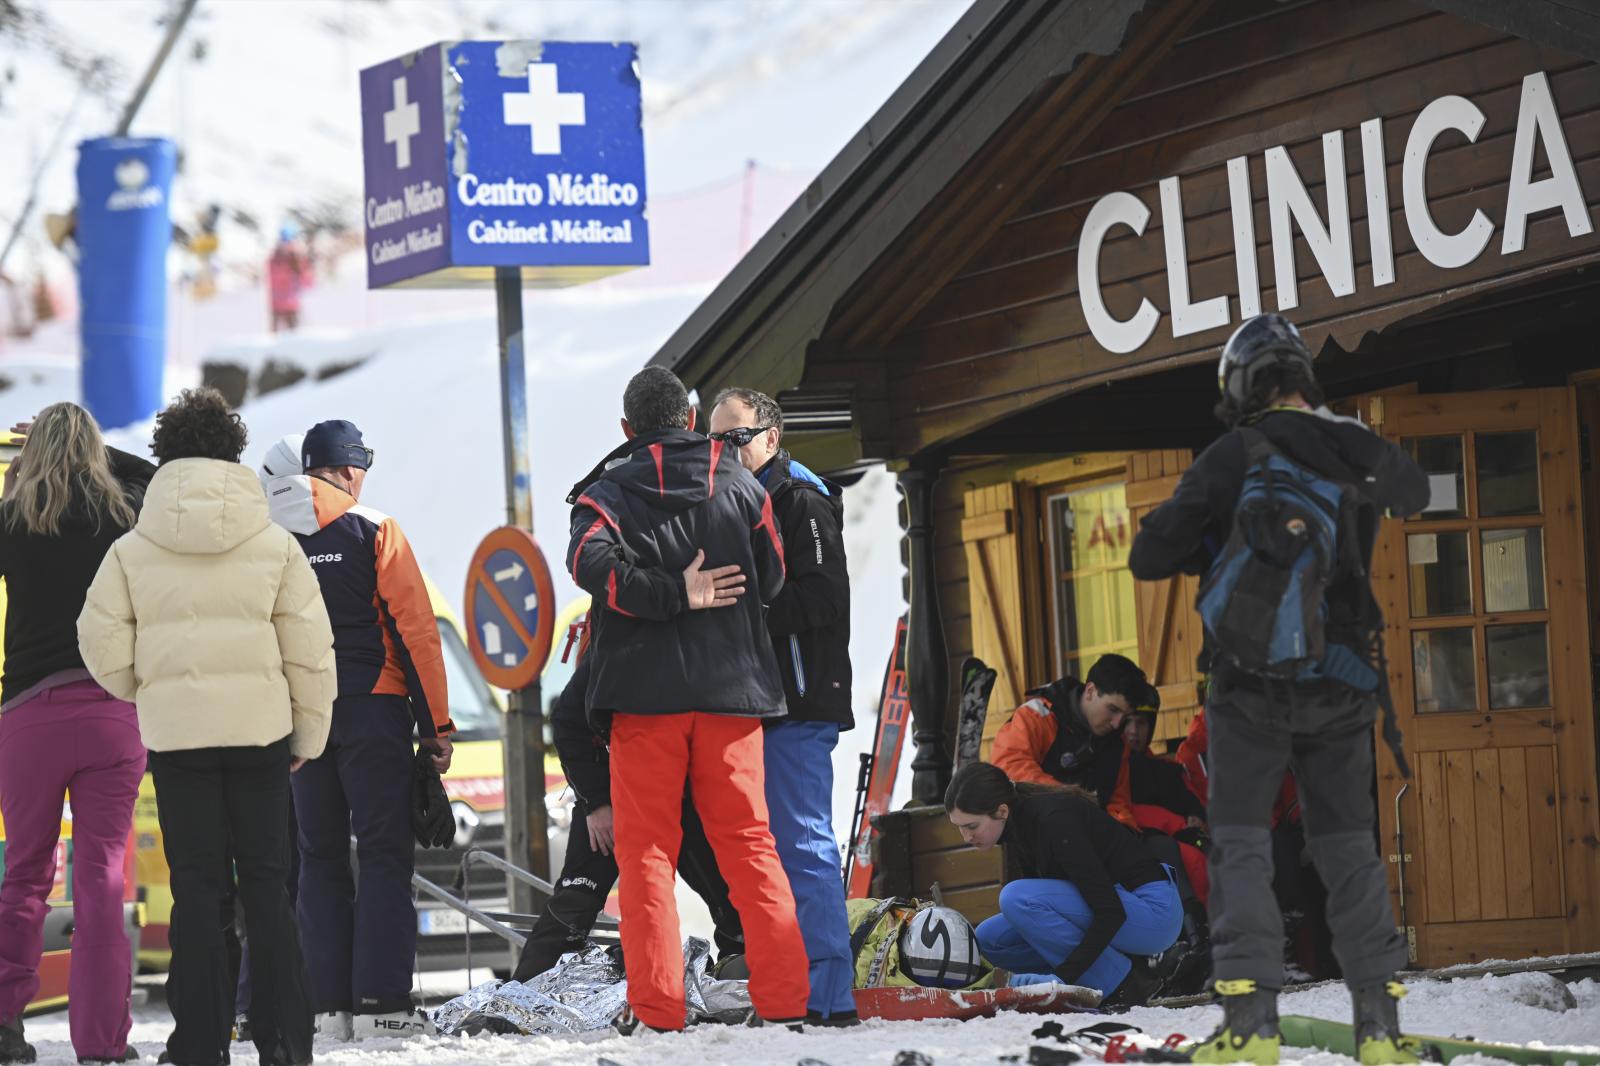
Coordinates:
(927,660)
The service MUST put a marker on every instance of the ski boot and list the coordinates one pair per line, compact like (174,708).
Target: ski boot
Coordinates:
(1183,966)
(1136,989)
(1377,1024)
(13,1048)
(1249,1030)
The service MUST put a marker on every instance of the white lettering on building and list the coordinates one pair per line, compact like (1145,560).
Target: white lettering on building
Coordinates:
(1290,207)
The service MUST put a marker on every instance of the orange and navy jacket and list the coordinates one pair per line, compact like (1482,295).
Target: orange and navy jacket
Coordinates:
(1046,741)
(385,635)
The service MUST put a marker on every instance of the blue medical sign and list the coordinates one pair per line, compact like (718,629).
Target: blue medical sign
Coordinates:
(484,154)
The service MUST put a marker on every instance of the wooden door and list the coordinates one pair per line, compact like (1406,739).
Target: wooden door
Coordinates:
(1488,647)
(1169,629)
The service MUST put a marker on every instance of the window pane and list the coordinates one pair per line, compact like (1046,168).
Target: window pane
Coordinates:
(1441,574)
(1094,608)
(1513,570)
(1442,459)
(1508,473)
(1100,528)
(1519,666)
(1445,669)
(1124,620)
(1090,532)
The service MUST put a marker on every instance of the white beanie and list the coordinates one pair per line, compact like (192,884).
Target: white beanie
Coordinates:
(283,458)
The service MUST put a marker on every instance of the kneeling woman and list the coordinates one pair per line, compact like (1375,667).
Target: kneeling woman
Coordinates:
(1090,897)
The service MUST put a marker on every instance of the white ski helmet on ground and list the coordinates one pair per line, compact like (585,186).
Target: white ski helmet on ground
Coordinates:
(939,949)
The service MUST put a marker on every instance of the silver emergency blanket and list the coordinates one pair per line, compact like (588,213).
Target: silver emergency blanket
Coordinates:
(707,998)
(584,992)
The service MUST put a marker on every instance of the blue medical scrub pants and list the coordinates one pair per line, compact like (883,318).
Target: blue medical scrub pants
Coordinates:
(1042,920)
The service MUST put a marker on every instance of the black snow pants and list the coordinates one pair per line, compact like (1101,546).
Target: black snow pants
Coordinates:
(587,878)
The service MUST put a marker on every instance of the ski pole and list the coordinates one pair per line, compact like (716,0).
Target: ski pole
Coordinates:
(863,781)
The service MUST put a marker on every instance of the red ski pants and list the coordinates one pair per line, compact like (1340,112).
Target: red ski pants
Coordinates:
(721,757)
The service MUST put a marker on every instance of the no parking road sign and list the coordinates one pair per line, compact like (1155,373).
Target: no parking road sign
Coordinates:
(511,608)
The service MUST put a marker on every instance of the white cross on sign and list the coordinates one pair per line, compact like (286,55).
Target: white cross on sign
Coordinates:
(401,124)
(544,109)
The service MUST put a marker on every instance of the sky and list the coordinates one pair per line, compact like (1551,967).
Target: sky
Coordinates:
(262,94)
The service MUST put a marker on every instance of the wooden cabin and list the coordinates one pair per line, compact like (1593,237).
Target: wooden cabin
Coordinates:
(1012,286)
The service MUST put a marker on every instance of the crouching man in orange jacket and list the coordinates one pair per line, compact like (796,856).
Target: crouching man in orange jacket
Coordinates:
(1071,732)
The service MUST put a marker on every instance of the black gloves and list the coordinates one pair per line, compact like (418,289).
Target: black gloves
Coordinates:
(431,818)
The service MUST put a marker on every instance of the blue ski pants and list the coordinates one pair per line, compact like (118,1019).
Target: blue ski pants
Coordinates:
(799,769)
(1042,919)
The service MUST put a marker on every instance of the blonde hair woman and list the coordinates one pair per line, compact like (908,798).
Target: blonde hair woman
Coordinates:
(67,498)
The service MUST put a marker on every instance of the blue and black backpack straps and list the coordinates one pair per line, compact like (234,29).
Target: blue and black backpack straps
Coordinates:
(1263,601)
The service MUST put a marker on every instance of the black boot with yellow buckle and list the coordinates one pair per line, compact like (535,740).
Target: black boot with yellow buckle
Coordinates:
(1249,1030)
(1377,1024)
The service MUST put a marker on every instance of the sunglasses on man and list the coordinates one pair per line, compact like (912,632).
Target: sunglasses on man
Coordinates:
(368,452)
(739,436)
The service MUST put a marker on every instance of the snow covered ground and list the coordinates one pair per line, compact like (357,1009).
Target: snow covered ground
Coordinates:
(1515,1009)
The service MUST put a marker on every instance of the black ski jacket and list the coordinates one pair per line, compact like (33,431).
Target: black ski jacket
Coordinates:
(810,618)
(637,521)
(1160,782)
(1061,835)
(584,758)
(48,578)
(1184,534)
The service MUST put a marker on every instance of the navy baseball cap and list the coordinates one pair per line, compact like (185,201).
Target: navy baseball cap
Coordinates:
(334,443)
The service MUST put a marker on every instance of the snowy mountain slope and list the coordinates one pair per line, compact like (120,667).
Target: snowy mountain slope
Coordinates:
(262,96)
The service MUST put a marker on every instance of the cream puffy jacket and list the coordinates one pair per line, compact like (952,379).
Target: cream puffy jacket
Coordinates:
(208,617)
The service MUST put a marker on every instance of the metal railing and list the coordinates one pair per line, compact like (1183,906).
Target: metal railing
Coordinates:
(499,923)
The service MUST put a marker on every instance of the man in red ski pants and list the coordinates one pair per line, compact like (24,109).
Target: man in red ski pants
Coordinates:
(666,531)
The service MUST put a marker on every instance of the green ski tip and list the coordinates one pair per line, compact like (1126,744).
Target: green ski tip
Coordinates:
(1300,1031)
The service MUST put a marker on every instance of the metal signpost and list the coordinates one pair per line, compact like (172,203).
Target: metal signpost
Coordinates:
(502,163)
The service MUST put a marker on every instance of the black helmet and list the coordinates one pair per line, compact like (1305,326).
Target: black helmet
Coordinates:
(1264,341)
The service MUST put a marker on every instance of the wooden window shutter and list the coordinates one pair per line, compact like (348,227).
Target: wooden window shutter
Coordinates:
(991,532)
(1169,628)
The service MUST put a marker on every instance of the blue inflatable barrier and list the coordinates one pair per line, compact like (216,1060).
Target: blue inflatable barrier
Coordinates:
(123,232)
